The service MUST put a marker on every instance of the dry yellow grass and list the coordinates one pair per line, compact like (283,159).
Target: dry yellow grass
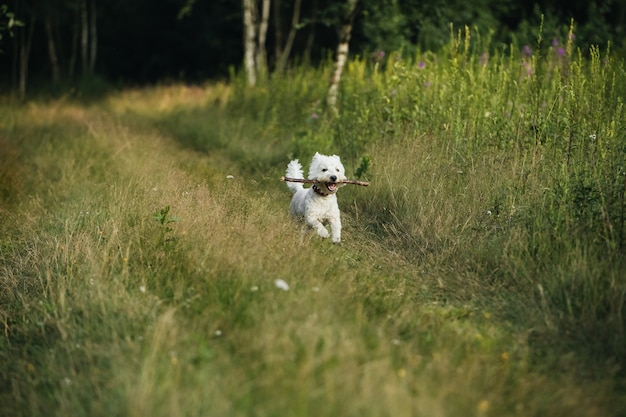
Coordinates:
(106,311)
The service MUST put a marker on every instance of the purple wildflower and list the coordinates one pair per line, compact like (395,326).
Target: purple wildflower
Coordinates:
(378,55)
(527,51)
(421,65)
(555,42)
(560,51)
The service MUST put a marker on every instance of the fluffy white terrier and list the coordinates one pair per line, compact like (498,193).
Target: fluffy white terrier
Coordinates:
(318,204)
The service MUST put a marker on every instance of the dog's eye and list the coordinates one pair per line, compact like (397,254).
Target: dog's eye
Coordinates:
(324,170)
(337,169)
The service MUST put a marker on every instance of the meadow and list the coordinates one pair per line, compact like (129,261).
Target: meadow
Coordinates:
(148,265)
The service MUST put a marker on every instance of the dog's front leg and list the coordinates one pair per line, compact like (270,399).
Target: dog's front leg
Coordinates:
(318,226)
(335,227)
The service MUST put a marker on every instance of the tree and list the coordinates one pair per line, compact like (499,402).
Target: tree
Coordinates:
(49,21)
(88,35)
(281,59)
(249,41)
(342,52)
(255,57)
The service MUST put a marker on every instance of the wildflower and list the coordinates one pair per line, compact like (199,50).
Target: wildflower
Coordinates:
(314,116)
(378,56)
(555,42)
(142,288)
(484,58)
(229,177)
(281,284)
(254,288)
(527,51)
(421,65)
(427,84)
(217,333)
(560,51)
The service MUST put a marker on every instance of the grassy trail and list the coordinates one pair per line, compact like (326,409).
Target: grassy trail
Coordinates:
(138,279)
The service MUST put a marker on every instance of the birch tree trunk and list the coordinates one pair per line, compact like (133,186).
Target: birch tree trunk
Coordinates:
(261,55)
(249,40)
(342,53)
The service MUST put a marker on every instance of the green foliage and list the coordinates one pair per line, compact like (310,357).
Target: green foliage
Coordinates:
(162,216)
(8,22)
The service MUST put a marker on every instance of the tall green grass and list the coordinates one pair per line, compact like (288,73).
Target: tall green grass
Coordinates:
(482,272)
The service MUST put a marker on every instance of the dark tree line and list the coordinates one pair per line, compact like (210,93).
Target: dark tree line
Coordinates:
(145,41)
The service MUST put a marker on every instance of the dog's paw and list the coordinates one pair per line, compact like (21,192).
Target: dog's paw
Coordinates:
(323,233)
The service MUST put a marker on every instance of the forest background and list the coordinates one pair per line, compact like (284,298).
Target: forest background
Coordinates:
(57,42)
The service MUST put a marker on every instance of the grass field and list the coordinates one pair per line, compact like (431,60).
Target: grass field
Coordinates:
(481,274)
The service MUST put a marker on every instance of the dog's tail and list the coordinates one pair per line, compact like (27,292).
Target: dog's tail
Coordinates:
(294,170)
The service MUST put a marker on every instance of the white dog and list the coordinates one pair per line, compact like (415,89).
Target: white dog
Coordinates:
(318,203)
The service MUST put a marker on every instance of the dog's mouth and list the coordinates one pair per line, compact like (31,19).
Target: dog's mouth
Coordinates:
(331,186)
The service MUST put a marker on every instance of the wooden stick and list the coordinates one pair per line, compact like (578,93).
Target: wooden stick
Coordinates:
(305,181)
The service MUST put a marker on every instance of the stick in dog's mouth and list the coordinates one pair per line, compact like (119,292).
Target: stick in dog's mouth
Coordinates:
(328,184)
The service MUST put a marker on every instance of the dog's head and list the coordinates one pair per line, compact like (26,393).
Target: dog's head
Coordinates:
(328,172)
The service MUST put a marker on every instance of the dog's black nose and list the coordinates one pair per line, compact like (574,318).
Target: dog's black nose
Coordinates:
(333,178)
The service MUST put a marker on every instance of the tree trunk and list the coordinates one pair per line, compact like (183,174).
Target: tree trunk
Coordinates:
(93,36)
(278,30)
(26,41)
(52,52)
(310,40)
(249,40)
(342,53)
(84,36)
(281,62)
(261,55)
(74,47)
